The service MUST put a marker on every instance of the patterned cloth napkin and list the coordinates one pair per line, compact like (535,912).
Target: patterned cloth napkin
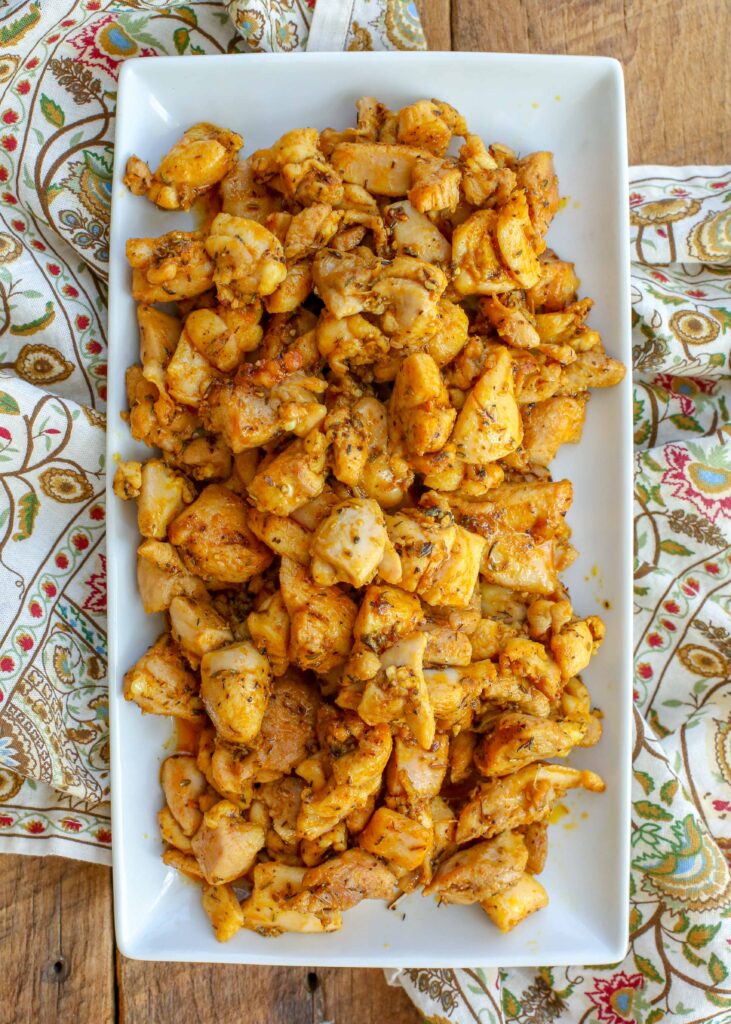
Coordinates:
(58,70)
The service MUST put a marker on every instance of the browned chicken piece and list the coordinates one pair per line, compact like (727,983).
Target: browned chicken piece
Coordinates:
(423,539)
(513,323)
(536,839)
(421,413)
(197,628)
(344,280)
(282,799)
(519,799)
(517,739)
(183,784)
(224,335)
(447,637)
(549,424)
(185,863)
(456,578)
(508,908)
(163,494)
(349,343)
(435,184)
(477,267)
(170,831)
(386,615)
(516,561)
(161,576)
(352,544)
(556,287)
(161,683)
(226,844)
(344,880)
(517,241)
(287,734)
(214,539)
(573,648)
(189,374)
(537,507)
(488,425)
(249,260)
(321,619)
(476,874)
(575,705)
(293,290)
(196,163)
(204,458)
(296,166)
(291,478)
(397,838)
(381,169)
(272,909)
(415,775)
(223,909)
(461,752)
(159,335)
(282,534)
(529,660)
(292,332)
(172,267)
(592,369)
(537,176)
(484,181)
(170,433)
(269,628)
(127,480)
(412,234)
(310,230)
(429,125)
(243,196)
(397,692)
(235,685)
(375,121)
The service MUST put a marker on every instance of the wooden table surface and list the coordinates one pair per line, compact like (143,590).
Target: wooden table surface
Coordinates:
(56,931)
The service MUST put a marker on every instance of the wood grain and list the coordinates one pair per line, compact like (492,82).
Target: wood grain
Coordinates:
(57,941)
(677,72)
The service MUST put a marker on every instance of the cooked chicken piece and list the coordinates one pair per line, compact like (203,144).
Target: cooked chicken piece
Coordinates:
(293,291)
(161,683)
(189,374)
(516,561)
(413,234)
(573,648)
(249,260)
(415,775)
(183,862)
(310,230)
(183,784)
(476,874)
(511,906)
(517,739)
(283,535)
(461,752)
(386,615)
(423,540)
(536,507)
(481,176)
(321,619)
(214,538)
(344,281)
(224,335)
(537,176)
(235,686)
(529,660)
(282,799)
(159,335)
(382,169)
(295,165)
(206,457)
(504,689)
(488,426)
(443,339)
(163,494)
(546,617)
(547,425)
(169,433)
(226,844)
(396,838)
(456,578)
(429,125)
(435,184)
(197,628)
(359,756)
(223,909)
(344,880)
(194,165)
(128,480)
(446,644)
(243,196)
(272,908)
(592,369)
(422,415)
(269,628)
(171,832)
(161,576)
(173,267)
(556,287)
(398,692)
(292,332)
(375,121)
(513,323)
(352,544)
(287,734)
(536,839)
(519,799)
(349,342)
(476,262)
(517,241)
(566,325)
(537,377)
(291,478)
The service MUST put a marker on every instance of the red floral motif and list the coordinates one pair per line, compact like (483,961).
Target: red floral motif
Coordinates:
(721,805)
(671,606)
(103,835)
(68,289)
(80,542)
(82,322)
(662,232)
(8,197)
(6,820)
(23,87)
(3,174)
(49,589)
(53,268)
(101,369)
(635,198)
(678,476)
(35,609)
(34,827)
(7,664)
(614,997)
(96,513)
(10,143)
(51,430)
(93,347)
(19,225)
(679,192)
(691,587)
(33,63)
(5,434)
(62,561)
(644,671)
(10,117)
(102,389)
(669,625)
(71,824)
(658,276)
(696,293)
(654,640)
(719,184)
(90,45)
(712,568)
(25,642)
(38,245)
(96,602)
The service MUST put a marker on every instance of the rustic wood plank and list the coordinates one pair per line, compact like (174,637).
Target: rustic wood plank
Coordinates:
(437,22)
(57,938)
(678,76)
(360,997)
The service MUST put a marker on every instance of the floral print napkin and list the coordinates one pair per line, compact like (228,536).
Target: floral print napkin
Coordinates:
(58,71)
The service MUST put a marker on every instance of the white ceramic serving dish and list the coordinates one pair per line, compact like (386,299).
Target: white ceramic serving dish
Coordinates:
(573,106)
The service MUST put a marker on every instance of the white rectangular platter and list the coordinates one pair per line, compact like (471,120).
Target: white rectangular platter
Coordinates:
(573,106)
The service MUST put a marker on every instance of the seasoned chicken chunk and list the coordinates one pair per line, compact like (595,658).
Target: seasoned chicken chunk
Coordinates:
(249,260)
(214,539)
(397,692)
(163,494)
(429,124)
(517,241)
(383,169)
(477,267)
(272,907)
(456,578)
(269,628)
(488,425)
(537,176)
(183,785)
(296,166)
(349,342)
(161,683)
(423,539)
(344,880)
(321,619)
(291,478)
(197,628)
(128,480)
(344,280)
(517,739)
(235,686)
(435,184)
(195,164)
(223,909)
(226,844)
(397,838)
(243,196)
(421,412)
(549,424)
(386,615)
(352,544)
(224,335)
(508,908)
(413,234)
(173,267)
(476,874)
(161,576)
(159,335)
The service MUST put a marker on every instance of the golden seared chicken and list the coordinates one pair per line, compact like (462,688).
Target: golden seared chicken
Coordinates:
(214,539)
(196,163)
(161,683)
(248,259)
(173,267)
(366,361)
(352,544)
(421,412)
(235,686)
(321,619)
